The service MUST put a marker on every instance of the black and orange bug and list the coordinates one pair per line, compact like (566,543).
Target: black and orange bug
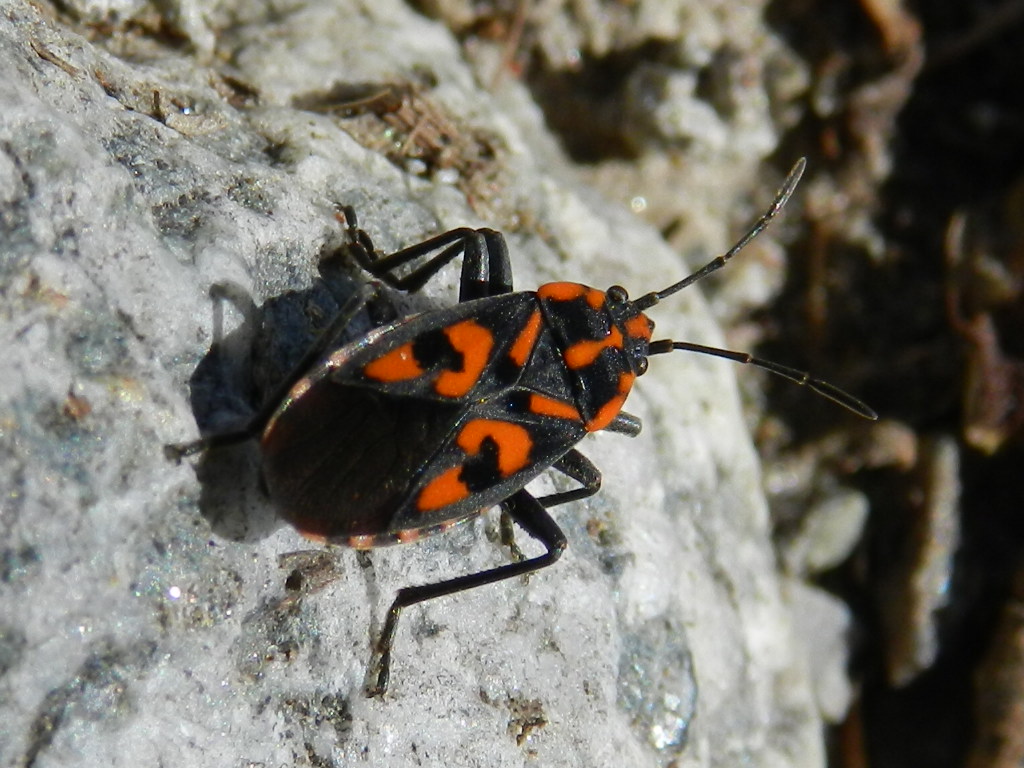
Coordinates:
(432,419)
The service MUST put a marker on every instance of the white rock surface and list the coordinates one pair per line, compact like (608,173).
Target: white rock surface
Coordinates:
(144,619)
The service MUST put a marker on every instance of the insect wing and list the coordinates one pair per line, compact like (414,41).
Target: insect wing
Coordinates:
(498,447)
(338,461)
(483,385)
(460,354)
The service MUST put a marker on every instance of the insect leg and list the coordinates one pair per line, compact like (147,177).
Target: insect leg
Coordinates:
(507,536)
(490,277)
(527,512)
(625,424)
(177,451)
(445,247)
(486,268)
(575,465)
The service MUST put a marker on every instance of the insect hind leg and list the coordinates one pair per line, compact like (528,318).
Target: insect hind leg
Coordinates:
(527,512)
(573,465)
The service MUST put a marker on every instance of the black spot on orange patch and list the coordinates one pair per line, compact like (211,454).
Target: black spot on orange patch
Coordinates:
(511,441)
(494,450)
(434,351)
(474,343)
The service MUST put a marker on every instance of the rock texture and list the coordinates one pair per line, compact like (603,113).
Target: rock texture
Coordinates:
(150,615)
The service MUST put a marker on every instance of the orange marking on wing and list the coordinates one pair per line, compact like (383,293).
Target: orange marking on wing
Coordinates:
(639,327)
(475,343)
(548,406)
(443,490)
(583,353)
(521,348)
(561,291)
(610,410)
(513,442)
(397,365)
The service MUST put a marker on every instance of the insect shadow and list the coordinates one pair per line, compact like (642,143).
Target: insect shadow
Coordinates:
(240,373)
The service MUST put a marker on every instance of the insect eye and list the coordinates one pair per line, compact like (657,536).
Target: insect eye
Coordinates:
(617,294)
(641,366)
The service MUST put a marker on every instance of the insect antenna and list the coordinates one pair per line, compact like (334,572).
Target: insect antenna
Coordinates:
(803,378)
(781,198)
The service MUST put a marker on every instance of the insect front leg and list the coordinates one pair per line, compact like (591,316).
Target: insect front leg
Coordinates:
(581,469)
(527,512)
(486,268)
(625,424)
(492,277)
